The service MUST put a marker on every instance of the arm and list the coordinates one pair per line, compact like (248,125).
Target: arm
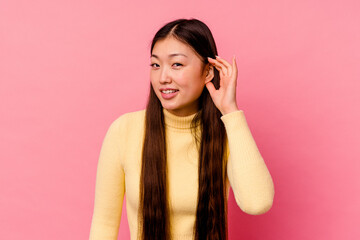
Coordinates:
(109,188)
(247,172)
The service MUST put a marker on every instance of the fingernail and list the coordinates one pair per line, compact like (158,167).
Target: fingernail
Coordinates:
(217,56)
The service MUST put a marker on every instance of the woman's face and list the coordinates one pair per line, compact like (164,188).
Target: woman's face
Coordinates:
(175,66)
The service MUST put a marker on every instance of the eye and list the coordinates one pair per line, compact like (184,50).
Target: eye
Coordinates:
(179,64)
(152,65)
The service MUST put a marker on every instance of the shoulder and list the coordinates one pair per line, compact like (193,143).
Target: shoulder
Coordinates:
(129,119)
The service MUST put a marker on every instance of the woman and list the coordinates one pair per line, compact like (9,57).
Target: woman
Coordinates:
(177,158)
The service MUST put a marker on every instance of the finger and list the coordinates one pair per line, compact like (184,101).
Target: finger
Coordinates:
(219,65)
(211,88)
(222,65)
(234,77)
(225,63)
(235,66)
(218,68)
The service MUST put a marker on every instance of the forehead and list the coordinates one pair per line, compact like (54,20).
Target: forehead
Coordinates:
(171,45)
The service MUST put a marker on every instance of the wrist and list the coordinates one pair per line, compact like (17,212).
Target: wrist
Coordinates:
(230,110)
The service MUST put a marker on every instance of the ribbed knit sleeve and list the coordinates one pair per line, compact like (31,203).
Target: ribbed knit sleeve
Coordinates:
(247,172)
(109,187)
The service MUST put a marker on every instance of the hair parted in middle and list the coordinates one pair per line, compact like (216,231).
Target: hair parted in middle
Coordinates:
(211,213)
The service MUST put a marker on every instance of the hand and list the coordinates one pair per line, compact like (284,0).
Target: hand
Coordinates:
(224,98)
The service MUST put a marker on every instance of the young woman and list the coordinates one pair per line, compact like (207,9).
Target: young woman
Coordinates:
(176,159)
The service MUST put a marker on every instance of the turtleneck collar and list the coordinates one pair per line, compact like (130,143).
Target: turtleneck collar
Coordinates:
(181,123)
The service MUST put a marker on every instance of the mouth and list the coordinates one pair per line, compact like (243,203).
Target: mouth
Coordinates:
(169,93)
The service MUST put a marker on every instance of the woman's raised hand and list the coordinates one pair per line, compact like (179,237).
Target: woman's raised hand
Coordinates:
(224,98)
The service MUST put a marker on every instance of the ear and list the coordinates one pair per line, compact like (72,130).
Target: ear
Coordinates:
(209,73)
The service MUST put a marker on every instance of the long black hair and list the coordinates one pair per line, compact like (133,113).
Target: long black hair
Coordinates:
(211,213)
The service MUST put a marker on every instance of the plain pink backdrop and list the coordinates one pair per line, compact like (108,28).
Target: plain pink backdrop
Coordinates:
(69,68)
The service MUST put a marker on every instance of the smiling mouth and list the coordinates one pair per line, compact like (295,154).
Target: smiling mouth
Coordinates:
(168,94)
(169,91)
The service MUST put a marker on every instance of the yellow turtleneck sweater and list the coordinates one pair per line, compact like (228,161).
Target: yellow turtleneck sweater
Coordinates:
(119,168)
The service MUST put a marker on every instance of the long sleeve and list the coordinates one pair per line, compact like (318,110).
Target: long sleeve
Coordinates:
(247,172)
(109,187)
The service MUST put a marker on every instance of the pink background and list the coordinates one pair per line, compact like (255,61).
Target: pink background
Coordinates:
(69,68)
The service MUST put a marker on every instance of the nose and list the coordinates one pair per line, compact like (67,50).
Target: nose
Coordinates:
(165,76)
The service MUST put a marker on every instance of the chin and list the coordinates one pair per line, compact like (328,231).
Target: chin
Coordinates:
(169,107)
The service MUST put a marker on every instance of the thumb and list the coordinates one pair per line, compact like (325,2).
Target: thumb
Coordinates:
(211,88)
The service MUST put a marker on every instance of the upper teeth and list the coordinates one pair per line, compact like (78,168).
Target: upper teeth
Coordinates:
(168,91)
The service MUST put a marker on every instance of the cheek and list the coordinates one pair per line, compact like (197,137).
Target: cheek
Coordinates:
(154,86)
(184,80)
(153,80)
(198,89)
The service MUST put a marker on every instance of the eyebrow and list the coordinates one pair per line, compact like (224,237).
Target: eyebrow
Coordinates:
(170,55)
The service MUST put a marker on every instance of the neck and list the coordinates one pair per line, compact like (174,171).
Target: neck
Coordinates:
(178,122)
